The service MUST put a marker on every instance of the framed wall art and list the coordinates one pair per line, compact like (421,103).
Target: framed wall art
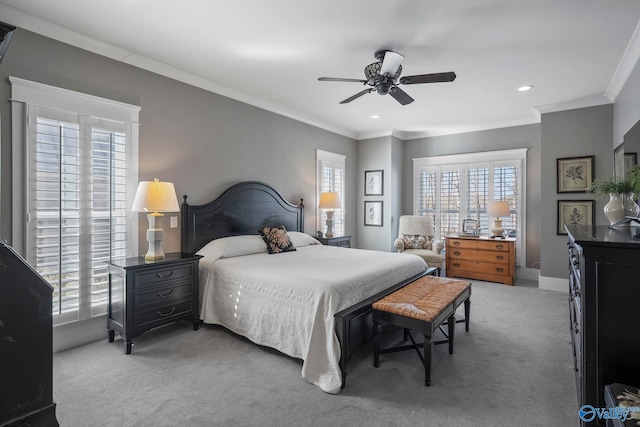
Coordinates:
(373,183)
(630,160)
(575,174)
(618,162)
(373,213)
(574,212)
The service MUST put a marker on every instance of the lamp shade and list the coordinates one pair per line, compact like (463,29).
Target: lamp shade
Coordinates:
(498,208)
(329,200)
(155,196)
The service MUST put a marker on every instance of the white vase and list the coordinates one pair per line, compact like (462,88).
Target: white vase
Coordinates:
(631,208)
(614,210)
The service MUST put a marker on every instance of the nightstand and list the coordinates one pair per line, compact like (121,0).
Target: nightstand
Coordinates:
(342,241)
(144,295)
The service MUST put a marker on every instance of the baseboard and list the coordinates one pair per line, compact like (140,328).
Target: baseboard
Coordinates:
(74,334)
(527,273)
(553,284)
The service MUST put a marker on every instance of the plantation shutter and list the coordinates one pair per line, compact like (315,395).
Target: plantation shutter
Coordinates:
(331,177)
(77,206)
(457,187)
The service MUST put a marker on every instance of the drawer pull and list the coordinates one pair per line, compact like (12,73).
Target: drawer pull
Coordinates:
(499,270)
(456,243)
(499,246)
(165,295)
(456,265)
(500,257)
(169,313)
(161,276)
(456,253)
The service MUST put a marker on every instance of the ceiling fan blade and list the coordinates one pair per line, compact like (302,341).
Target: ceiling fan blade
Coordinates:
(357,95)
(390,63)
(400,96)
(338,79)
(428,78)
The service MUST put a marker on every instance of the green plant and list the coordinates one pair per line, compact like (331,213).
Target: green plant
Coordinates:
(633,176)
(631,184)
(610,186)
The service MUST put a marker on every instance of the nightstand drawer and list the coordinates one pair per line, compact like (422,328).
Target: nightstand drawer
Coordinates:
(147,318)
(162,295)
(158,277)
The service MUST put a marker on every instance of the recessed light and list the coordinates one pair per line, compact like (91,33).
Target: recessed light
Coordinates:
(525,88)
(375,116)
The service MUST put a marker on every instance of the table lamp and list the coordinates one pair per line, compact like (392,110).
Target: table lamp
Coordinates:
(329,200)
(155,197)
(496,209)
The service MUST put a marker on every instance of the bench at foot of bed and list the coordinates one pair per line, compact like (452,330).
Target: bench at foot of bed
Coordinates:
(425,304)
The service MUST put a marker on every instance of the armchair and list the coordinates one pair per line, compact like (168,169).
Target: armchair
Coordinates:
(415,236)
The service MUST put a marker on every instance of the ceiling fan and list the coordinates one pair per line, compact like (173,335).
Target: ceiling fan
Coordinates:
(383,77)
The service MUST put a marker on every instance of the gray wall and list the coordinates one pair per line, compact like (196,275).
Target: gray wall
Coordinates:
(626,113)
(375,154)
(626,110)
(527,136)
(201,141)
(572,133)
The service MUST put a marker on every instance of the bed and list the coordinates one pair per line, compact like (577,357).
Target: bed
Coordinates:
(311,303)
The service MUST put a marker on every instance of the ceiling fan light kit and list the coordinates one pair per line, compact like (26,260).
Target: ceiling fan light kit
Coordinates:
(384,77)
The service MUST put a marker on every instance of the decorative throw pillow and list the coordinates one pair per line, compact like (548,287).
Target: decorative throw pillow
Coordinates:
(417,241)
(277,239)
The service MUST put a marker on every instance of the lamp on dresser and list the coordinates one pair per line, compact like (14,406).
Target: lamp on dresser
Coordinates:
(497,209)
(329,200)
(155,197)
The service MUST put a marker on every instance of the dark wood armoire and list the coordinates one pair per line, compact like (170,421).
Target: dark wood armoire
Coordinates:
(26,358)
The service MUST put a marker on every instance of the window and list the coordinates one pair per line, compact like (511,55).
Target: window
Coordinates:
(80,178)
(331,177)
(453,188)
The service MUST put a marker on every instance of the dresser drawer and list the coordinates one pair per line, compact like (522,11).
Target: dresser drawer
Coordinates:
(146,319)
(162,276)
(458,266)
(162,295)
(496,257)
(482,244)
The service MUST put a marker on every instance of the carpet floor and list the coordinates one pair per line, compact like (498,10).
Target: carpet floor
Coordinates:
(513,368)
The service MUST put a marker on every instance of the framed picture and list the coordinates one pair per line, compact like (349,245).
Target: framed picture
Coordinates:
(574,212)
(619,162)
(373,183)
(575,174)
(470,227)
(373,213)
(630,160)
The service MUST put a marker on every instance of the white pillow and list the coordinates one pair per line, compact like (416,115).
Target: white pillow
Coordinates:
(227,247)
(301,239)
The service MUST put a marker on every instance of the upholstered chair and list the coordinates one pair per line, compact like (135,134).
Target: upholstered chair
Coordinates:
(415,236)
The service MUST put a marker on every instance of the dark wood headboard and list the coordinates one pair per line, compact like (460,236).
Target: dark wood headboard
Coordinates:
(242,209)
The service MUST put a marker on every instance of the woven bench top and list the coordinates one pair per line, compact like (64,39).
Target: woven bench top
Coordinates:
(423,299)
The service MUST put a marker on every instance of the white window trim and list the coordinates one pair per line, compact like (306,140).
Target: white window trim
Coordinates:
(25,94)
(480,157)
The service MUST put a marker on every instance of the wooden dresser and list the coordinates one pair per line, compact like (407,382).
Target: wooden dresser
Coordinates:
(604,302)
(481,258)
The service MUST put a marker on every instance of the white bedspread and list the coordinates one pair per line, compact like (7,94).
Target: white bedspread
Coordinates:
(287,301)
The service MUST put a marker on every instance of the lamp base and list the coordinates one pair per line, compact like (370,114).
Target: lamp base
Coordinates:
(329,223)
(154,237)
(497,229)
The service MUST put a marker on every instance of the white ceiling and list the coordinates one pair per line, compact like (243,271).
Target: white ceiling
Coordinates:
(270,54)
